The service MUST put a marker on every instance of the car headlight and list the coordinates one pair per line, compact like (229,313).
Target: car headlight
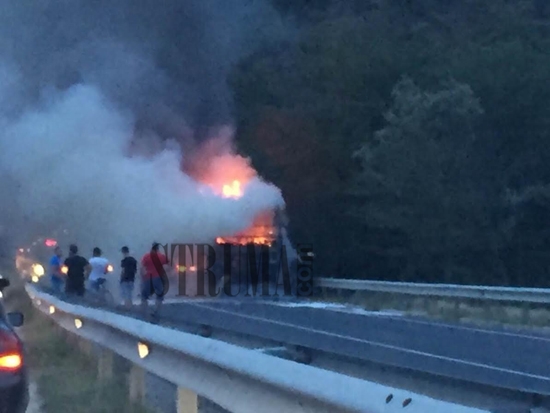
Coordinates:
(38,270)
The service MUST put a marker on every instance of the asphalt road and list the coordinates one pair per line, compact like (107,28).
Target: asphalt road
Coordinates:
(494,357)
(517,361)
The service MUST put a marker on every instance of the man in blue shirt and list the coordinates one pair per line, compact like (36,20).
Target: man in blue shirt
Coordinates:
(56,275)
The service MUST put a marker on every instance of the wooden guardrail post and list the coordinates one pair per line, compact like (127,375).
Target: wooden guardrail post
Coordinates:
(188,401)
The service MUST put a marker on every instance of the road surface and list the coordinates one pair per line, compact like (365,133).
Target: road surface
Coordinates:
(479,355)
(35,402)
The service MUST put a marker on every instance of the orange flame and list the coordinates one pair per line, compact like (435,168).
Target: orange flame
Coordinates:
(261,232)
(233,190)
(239,240)
(228,175)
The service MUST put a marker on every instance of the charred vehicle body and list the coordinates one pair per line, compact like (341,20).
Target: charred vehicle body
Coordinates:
(257,262)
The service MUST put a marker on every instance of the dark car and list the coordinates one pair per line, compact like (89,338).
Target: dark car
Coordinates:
(14,392)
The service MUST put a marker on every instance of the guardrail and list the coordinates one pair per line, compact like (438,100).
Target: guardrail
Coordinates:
(525,295)
(236,378)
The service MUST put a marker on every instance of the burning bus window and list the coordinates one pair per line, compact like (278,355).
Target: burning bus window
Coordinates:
(262,232)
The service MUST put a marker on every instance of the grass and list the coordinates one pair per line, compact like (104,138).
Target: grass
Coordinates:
(460,310)
(66,378)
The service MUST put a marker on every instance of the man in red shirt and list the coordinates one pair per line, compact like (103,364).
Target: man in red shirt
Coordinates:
(154,266)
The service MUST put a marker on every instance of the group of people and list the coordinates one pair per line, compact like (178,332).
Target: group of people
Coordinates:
(75,271)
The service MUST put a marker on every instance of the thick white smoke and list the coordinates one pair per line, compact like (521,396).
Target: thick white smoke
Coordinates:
(69,156)
(80,81)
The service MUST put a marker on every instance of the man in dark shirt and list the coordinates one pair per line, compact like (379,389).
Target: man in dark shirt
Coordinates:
(128,272)
(78,269)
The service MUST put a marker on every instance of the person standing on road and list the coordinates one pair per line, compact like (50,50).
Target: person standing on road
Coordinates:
(154,266)
(128,272)
(100,267)
(78,269)
(56,276)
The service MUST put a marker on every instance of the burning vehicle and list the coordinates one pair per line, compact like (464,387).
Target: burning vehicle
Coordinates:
(261,244)
(235,256)
(263,250)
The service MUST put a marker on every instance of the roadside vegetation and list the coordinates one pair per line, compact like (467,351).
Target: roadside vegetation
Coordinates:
(424,126)
(66,378)
(479,312)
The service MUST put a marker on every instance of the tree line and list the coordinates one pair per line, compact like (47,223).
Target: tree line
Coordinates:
(410,138)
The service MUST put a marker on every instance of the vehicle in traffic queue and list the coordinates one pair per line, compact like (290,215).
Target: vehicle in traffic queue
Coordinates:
(31,261)
(14,391)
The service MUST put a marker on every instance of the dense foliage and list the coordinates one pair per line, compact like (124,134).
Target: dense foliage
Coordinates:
(410,138)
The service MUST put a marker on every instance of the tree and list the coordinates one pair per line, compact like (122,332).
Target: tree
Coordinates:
(528,255)
(541,8)
(419,175)
(302,111)
(303,107)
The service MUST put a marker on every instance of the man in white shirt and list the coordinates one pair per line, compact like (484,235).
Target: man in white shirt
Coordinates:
(100,267)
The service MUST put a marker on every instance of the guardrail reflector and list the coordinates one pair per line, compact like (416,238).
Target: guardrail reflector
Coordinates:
(52,309)
(143,350)
(78,323)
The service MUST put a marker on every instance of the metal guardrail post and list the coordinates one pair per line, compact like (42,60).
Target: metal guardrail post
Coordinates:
(428,305)
(105,364)
(525,313)
(456,309)
(137,384)
(188,401)
(488,309)
(85,347)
